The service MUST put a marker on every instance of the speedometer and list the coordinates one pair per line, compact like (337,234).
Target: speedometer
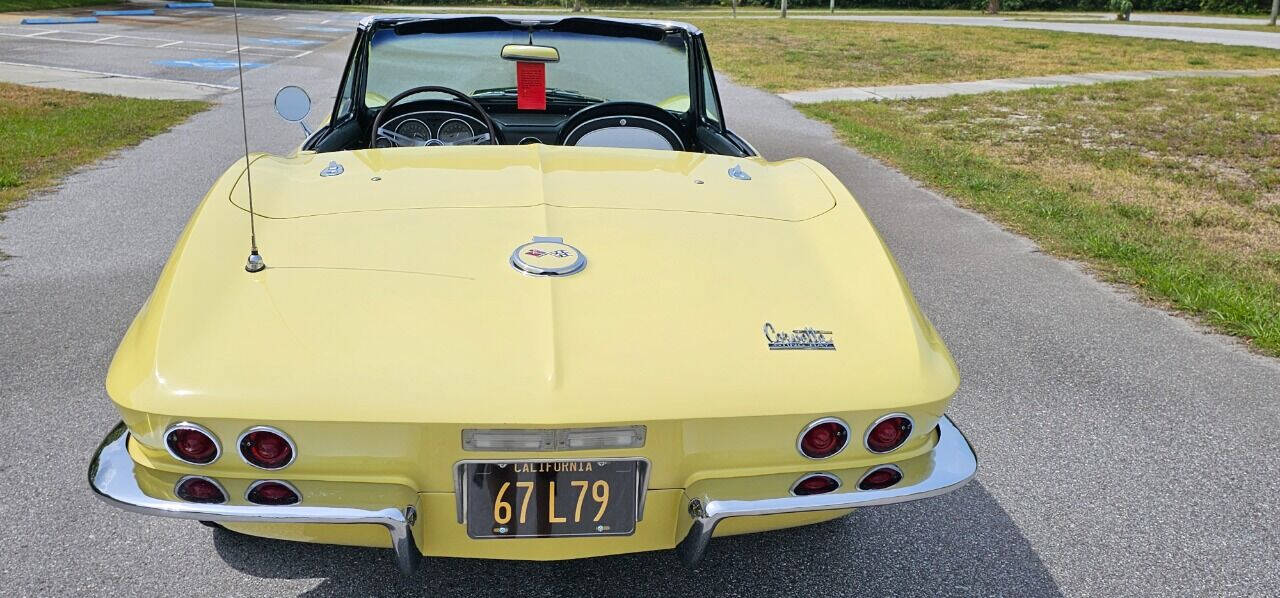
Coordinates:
(455,130)
(414,129)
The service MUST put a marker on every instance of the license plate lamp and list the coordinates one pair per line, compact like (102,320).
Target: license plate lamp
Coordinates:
(567,439)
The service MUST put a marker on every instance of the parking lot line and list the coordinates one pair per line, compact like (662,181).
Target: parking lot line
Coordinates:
(121,75)
(130,41)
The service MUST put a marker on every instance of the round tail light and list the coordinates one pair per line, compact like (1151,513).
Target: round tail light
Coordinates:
(272,493)
(266,448)
(192,444)
(888,433)
(200,489)
(823,438)
(880,478)
(815,483)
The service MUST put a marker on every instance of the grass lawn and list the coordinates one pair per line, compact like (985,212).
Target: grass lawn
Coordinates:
(1172,186)
(46,133)
(790,55)
(16,5)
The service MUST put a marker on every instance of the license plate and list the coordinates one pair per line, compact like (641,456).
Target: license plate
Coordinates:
(539,499)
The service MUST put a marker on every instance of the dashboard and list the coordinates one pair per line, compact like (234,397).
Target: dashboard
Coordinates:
(441,127)
(439,122)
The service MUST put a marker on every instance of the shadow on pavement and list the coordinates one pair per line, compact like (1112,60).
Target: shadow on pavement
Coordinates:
(959,544)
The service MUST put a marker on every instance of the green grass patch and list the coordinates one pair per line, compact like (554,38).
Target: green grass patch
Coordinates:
(796,54)
(46,133)
(1171,186)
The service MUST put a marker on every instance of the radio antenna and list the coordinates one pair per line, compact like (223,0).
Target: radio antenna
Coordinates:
(255,263)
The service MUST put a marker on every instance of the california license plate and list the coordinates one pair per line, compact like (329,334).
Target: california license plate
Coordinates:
(539,499)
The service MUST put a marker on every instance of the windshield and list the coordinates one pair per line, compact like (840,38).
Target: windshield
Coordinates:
(598,67)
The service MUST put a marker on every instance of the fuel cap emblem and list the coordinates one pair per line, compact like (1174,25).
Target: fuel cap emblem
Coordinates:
(548,256)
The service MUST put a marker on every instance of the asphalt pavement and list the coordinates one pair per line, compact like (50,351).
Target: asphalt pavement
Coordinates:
(1123,451)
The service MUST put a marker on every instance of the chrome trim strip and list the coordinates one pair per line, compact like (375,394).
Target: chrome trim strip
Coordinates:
(875,468)
(186,425)
(293,448)
(954,464)
(817,422)
(825,474)
(113,479)
(459,470)
(182,480)
(291,487)
(866,436)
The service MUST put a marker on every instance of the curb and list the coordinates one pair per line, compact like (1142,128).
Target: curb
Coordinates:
(58,20)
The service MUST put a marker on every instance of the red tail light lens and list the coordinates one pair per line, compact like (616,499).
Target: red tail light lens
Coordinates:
(200,489)
(191,443)
(266,448)
(815,483)
(272,493)
(823,438)
(888,433)
(880,478)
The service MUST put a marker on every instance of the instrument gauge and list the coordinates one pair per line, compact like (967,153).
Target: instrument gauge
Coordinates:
(414,129)
(455,130)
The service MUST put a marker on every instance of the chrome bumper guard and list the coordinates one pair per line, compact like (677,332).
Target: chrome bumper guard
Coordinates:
(111,475)
(954,464)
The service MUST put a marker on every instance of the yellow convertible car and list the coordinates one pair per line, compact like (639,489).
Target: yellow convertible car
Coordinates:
(525,296)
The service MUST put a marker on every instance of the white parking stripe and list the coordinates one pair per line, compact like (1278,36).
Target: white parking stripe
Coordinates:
(168,44)
(186,46)
(122,76)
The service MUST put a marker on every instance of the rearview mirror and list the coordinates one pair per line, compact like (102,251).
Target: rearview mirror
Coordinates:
(525,53)
(292,103)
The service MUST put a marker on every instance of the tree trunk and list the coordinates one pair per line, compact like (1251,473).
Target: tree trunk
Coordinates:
(993,7)
(577,5)
(784,9)
(1275,11)
(833,6)
(735,8)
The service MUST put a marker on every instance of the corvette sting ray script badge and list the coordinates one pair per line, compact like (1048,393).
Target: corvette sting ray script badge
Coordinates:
(798,339)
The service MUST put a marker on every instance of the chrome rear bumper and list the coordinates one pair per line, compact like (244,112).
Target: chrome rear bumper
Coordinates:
(954,464)
(113,479)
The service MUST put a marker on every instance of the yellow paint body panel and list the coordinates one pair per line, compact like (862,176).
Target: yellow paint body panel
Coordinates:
(389,319)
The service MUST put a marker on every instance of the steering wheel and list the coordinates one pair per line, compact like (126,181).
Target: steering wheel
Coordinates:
(404,140)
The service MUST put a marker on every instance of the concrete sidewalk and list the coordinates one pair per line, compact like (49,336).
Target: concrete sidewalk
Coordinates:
(108,83)
(1200,35)
(938,90)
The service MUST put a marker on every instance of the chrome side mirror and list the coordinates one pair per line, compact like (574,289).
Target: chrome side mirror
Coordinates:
(293,104)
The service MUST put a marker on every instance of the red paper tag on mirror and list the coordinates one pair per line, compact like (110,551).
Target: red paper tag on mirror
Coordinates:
(531,86)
